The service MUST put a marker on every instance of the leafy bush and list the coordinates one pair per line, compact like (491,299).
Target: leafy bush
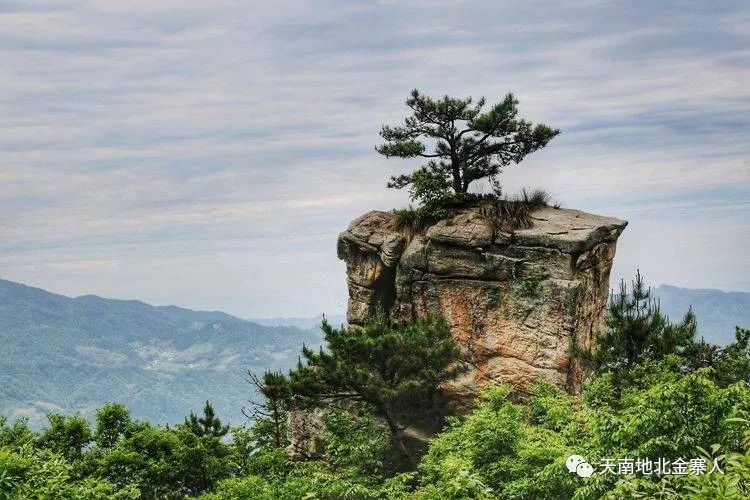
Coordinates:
(518,450)
(30,472)
(359,442)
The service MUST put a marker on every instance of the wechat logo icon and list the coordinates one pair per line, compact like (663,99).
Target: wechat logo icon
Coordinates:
(579,465)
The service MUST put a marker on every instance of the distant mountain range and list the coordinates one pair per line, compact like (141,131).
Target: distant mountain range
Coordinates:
(718,312)
(63,354)
(73,354)
(299,322)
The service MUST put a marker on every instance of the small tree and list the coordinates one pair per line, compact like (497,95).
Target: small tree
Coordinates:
(731,363)
(112,424)
(638,331)
(201,452)
(207,425)
(270,414)
(468,144)
(394,367)
(67,435)
(638,337)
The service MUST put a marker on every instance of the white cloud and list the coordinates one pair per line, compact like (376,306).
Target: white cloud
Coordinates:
(224,145)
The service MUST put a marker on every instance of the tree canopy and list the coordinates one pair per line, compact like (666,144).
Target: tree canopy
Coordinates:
(207,425)
(461,141)
(637,330)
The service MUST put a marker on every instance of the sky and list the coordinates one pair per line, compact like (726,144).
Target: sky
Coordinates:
(207,154)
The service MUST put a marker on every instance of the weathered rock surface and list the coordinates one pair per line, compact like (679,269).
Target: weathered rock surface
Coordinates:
(304,430)
(515,301)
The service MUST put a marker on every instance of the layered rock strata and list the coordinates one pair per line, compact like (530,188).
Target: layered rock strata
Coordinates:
(517,300)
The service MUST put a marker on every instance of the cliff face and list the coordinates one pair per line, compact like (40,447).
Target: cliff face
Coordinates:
(515,301)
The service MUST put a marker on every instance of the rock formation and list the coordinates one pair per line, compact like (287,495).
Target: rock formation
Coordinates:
(516,300)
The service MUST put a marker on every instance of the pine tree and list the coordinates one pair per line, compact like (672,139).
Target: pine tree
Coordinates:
(730,363)
(468,144)
(636,331)
(270,414)
(207,425)
(394,367)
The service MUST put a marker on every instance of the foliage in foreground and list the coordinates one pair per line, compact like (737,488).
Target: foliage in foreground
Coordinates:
(503,449)
(121,458)
(637,332)
(508,450)
(657,392)
(518,450)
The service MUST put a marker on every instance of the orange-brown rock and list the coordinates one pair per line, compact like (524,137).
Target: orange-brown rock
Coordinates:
(516,301)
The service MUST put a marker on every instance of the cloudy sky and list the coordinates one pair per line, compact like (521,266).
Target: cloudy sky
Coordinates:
(206,154)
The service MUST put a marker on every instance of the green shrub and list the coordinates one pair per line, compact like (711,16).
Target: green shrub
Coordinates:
(518,450)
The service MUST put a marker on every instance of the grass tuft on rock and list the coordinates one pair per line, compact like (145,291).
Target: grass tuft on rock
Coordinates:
(507,214)
(515,213)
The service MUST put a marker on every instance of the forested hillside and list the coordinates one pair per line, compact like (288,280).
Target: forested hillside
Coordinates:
(72,355)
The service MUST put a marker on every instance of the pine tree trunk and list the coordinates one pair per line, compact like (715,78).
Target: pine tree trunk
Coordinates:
(398,436)
(457,181)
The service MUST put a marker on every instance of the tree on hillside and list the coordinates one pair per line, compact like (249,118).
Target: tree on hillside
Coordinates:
(203,452)
(394,367)
(270,414)
(731,363)
(638,336)
(465,143)
(207,425)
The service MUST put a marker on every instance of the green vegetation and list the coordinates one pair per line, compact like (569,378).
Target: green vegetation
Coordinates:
(270,413)
(530,287)
(462,144)
(391,367)
(655,392)
(507,450)
(637,330)
(637,333)
(122,458)
(502,450)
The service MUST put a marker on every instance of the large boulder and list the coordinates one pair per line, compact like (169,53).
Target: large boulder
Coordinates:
(516,300)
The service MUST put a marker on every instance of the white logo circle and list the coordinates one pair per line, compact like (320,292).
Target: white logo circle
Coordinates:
(572,462)
(584,469)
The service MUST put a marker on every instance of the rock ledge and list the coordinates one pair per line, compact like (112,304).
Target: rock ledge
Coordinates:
(515,301)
